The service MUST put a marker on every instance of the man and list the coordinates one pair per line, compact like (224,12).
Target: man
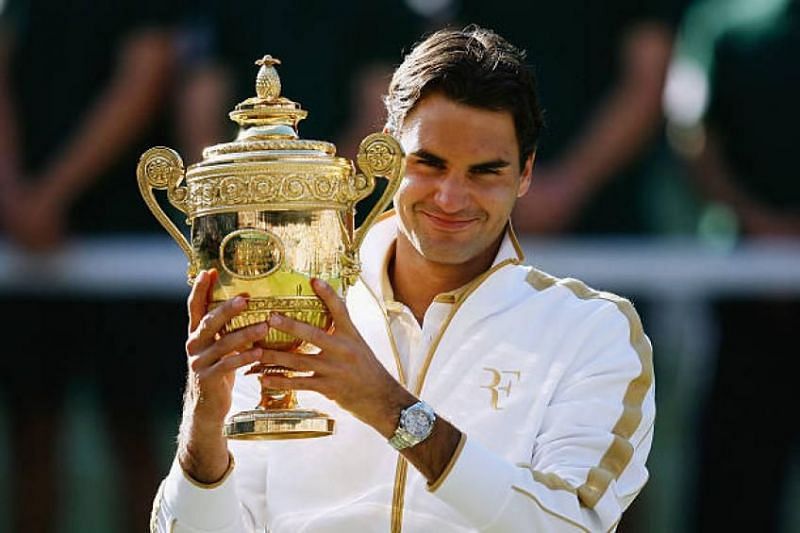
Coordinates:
(522,402)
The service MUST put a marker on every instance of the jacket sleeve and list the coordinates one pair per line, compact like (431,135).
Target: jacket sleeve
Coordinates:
(236,504)
(588,459)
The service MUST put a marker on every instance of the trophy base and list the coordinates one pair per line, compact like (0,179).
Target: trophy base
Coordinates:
(279,424)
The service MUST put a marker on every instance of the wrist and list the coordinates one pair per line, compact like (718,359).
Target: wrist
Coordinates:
(206,425)
(203,417)
(387,416)
(202,449)
(204,471)
(212,484)
(415,426)
(205,461)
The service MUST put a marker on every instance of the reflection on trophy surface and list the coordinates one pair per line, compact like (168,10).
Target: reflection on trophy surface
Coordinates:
(269,212)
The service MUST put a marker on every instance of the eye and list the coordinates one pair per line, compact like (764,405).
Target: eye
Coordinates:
(431,163)
(486,170)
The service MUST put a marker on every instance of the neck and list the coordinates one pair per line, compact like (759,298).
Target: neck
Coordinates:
(416,281)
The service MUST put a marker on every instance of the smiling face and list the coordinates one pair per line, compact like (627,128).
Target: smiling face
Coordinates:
(462,178)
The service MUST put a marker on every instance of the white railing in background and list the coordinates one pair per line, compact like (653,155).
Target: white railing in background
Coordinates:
(662,269)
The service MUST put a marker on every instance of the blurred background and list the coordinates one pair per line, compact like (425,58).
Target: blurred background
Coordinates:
(664,174)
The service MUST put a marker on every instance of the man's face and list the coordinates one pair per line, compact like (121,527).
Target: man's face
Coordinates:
(462,179)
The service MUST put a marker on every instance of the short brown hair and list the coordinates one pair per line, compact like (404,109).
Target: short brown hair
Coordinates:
(473,66)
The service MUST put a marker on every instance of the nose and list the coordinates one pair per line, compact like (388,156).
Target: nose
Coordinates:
(452,194)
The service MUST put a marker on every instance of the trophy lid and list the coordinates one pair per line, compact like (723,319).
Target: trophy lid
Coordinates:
(268,123)
(269,108)
(268,167)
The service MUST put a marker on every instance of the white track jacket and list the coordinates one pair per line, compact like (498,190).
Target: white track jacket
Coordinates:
(550,382)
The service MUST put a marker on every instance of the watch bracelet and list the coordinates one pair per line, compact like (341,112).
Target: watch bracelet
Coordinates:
(399,441)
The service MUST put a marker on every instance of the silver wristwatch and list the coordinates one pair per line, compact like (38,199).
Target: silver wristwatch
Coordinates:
(416,425)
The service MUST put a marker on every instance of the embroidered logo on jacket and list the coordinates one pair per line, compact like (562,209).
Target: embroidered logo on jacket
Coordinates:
(501,383)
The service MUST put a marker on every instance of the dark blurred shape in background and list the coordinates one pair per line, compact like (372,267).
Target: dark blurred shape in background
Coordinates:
(84,88)
(745,163)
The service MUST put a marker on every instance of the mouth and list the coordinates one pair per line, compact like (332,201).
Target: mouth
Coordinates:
(451,224)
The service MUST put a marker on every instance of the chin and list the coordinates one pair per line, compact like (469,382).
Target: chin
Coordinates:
(446,255)
(444,250)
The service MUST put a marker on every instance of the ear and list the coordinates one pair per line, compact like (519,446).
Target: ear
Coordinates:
(526,176)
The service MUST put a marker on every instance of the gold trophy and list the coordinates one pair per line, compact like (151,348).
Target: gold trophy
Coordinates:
(270,211)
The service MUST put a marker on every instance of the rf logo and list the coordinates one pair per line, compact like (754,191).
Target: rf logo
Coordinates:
(498,385)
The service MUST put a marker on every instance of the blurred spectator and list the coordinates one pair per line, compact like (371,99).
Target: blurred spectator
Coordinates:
(601,68)
(367,115)
(746,161)
(81,83)
(367,112)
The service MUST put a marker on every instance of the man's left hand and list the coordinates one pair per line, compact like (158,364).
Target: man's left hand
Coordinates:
(345,370)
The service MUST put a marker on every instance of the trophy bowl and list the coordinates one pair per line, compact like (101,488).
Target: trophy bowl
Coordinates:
(270,211)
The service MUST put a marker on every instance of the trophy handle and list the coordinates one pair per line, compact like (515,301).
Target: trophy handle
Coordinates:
(378,155)
(162,168)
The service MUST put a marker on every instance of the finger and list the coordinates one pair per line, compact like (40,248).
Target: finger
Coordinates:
(213,322)
(239,340)
(293,361)
(213,276)
(335,304)
(303,331)
(197,303)
(238,360)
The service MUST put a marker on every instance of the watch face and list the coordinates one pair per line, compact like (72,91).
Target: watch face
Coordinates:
(417,422)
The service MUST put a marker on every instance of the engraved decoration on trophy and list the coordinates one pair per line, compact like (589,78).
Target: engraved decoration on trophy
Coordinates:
(270,211)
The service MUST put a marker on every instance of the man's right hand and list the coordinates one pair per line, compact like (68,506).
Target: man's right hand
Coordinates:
(212,360)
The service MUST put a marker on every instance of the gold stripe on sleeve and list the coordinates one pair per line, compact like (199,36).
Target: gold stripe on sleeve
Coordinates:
(549,480)
(620,452)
